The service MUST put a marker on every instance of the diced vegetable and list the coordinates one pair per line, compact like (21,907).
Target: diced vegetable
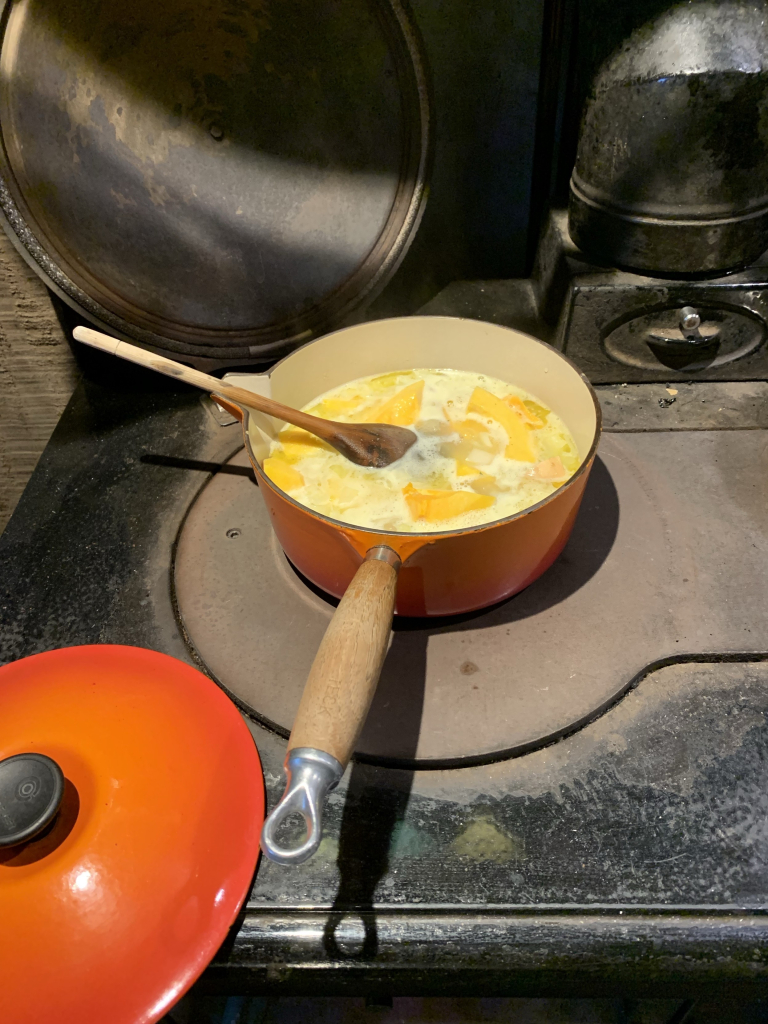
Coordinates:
(452,450)
(402,409)
(477,457)
(556,445)
(280,473)
(298,444)
(478,433)
(486,404)
(526,415)
(550,470)
(467,469)
(435,505)
(344,492)
(470,450)
(540,411)
(435,428)
(439,479)
(485,484)
(330,408)
(386,380)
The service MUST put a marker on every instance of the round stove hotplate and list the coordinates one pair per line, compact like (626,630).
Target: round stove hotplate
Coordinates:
(470,689)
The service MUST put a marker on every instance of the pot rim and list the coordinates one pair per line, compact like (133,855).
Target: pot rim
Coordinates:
(426,536)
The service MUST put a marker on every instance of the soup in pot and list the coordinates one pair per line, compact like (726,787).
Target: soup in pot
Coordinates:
(485,450)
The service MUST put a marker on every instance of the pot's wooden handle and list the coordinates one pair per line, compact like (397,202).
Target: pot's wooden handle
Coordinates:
(346,669)
(335,703)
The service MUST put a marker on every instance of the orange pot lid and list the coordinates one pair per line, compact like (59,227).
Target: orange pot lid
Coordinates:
(114,909)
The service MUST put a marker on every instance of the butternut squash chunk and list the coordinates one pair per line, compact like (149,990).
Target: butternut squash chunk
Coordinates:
(467,469)
(434,505)
(403,409)
(520,450)
(486,404)
(286,477)
(529,418)
(298,444)
(477,433)
(469,428)
(331,408)
(386,380)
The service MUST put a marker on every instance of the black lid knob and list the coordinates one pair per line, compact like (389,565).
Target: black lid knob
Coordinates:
(31,788)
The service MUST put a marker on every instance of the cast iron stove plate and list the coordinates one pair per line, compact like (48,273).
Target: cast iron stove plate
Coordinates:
(666,561)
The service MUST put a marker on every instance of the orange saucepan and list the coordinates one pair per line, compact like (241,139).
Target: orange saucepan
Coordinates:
(380,572)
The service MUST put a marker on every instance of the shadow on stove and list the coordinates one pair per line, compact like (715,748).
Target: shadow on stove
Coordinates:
(197,464)
(372,812)
(398,702)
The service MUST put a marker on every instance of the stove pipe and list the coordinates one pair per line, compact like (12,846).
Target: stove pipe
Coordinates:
(671,172)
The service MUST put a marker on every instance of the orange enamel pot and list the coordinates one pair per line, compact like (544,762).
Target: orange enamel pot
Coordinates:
(377,573)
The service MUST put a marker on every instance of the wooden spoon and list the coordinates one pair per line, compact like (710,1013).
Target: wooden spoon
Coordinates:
(365,444)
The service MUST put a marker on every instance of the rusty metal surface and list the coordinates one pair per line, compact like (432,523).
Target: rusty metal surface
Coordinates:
(670,172)
(216,179)
(659,803)
(510,953)
(608,321)
(628,857)
(725,405)
(602,306)
(510,679)
(587,306)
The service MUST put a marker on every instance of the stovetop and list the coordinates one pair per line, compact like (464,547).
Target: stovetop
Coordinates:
(659,543)
(630,853)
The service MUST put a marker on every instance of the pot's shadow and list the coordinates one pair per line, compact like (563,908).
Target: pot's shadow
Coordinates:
(374,805)
(396,710)
(372,812)
(589,545)
(378,791)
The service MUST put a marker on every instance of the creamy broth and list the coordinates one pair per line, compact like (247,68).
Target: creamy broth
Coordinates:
(485,450)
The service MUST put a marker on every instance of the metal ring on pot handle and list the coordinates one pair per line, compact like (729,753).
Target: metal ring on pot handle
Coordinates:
(312,774)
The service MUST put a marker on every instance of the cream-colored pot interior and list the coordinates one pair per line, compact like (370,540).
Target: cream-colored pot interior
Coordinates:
(430,342)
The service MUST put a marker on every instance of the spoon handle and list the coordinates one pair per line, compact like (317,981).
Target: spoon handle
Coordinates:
(152,361)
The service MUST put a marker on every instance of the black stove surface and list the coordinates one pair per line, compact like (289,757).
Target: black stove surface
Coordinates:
(632,854)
